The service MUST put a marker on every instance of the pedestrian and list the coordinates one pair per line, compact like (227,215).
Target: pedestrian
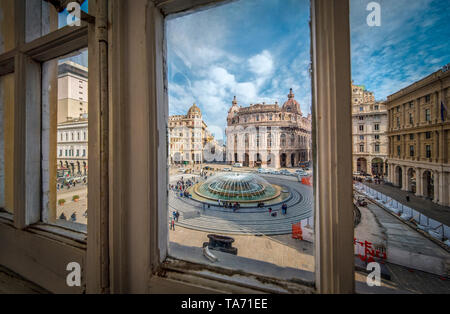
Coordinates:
(270,210)
(73,218)
(177,215)
(173,224)
(407,198)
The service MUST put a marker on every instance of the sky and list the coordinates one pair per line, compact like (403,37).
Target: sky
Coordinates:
(258,49)
(81,56)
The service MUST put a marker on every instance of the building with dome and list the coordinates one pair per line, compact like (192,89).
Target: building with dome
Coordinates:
(188,135)
(267,135)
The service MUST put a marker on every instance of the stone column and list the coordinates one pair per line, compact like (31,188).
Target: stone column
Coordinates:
(404,178)
(436,198)
(443,181)
(276,160)
(435,147)
(419,182)
(419,151)
(441,147)
(288,160)
(417,108)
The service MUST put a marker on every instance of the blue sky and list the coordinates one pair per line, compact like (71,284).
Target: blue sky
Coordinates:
(80,57)
(412,42)
(258,49)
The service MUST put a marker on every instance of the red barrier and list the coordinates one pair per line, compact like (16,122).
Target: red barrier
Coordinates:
(297,232)
(307,181)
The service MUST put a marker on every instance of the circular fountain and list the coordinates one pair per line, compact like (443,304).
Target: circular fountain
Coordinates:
(237,187)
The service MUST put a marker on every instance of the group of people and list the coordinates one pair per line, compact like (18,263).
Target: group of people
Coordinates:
(181,187)
(68,184)
(73,217)
(175,217)
(226,204)
(284,209)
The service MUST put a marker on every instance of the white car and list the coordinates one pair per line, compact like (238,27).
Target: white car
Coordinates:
(262,170)
(181,170)
(301,173)
(227,169)
(238,165)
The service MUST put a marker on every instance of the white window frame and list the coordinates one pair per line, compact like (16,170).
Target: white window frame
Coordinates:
(35,250)
(142,202)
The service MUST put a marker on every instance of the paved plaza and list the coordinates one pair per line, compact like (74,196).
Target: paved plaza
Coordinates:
(196,215)
(70,207)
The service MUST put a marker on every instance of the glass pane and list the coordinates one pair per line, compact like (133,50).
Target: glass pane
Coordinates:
(68,137)
(44,17)
(7,37)
(240,149)
(401,94)
(6,142)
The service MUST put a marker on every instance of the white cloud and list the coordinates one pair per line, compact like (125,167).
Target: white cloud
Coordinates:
(261,64)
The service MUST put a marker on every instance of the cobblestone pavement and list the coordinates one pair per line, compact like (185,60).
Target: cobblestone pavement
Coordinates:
(246,220)
(70,207)
(426,207)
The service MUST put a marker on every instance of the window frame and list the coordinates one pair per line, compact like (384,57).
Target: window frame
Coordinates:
(38,251)
(331,94)
(127,246)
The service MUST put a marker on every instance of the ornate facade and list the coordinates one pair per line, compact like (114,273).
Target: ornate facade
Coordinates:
(72,137)
(188,135)
(419,141)
(369,123)
(264,135)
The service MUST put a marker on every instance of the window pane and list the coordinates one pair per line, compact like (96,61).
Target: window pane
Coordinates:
(6,142)
(399,56)
(7,37)
(67,116)
(245,172)
(44,17)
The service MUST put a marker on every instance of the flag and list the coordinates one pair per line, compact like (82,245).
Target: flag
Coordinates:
(443,109)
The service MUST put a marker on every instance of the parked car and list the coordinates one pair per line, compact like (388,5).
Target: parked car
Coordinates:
(181,170)
(285,172)
(226,169)
(301,173)
(238,165)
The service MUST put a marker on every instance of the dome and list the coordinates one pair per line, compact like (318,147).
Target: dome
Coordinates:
(194,110)
(237,187)
(291,105)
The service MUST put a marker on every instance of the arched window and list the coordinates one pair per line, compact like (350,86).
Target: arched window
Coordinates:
(283,140)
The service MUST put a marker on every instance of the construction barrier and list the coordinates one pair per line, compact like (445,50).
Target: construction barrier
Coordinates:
(297,232)
(307,181)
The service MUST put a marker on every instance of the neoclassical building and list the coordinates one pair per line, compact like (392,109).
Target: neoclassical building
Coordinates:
(72,148)
(72,137)
(370,123)
(188,134)
(267,135)
(419,141)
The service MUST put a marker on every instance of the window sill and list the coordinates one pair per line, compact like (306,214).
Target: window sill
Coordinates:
(62,232)
(8,217)
(233,273)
